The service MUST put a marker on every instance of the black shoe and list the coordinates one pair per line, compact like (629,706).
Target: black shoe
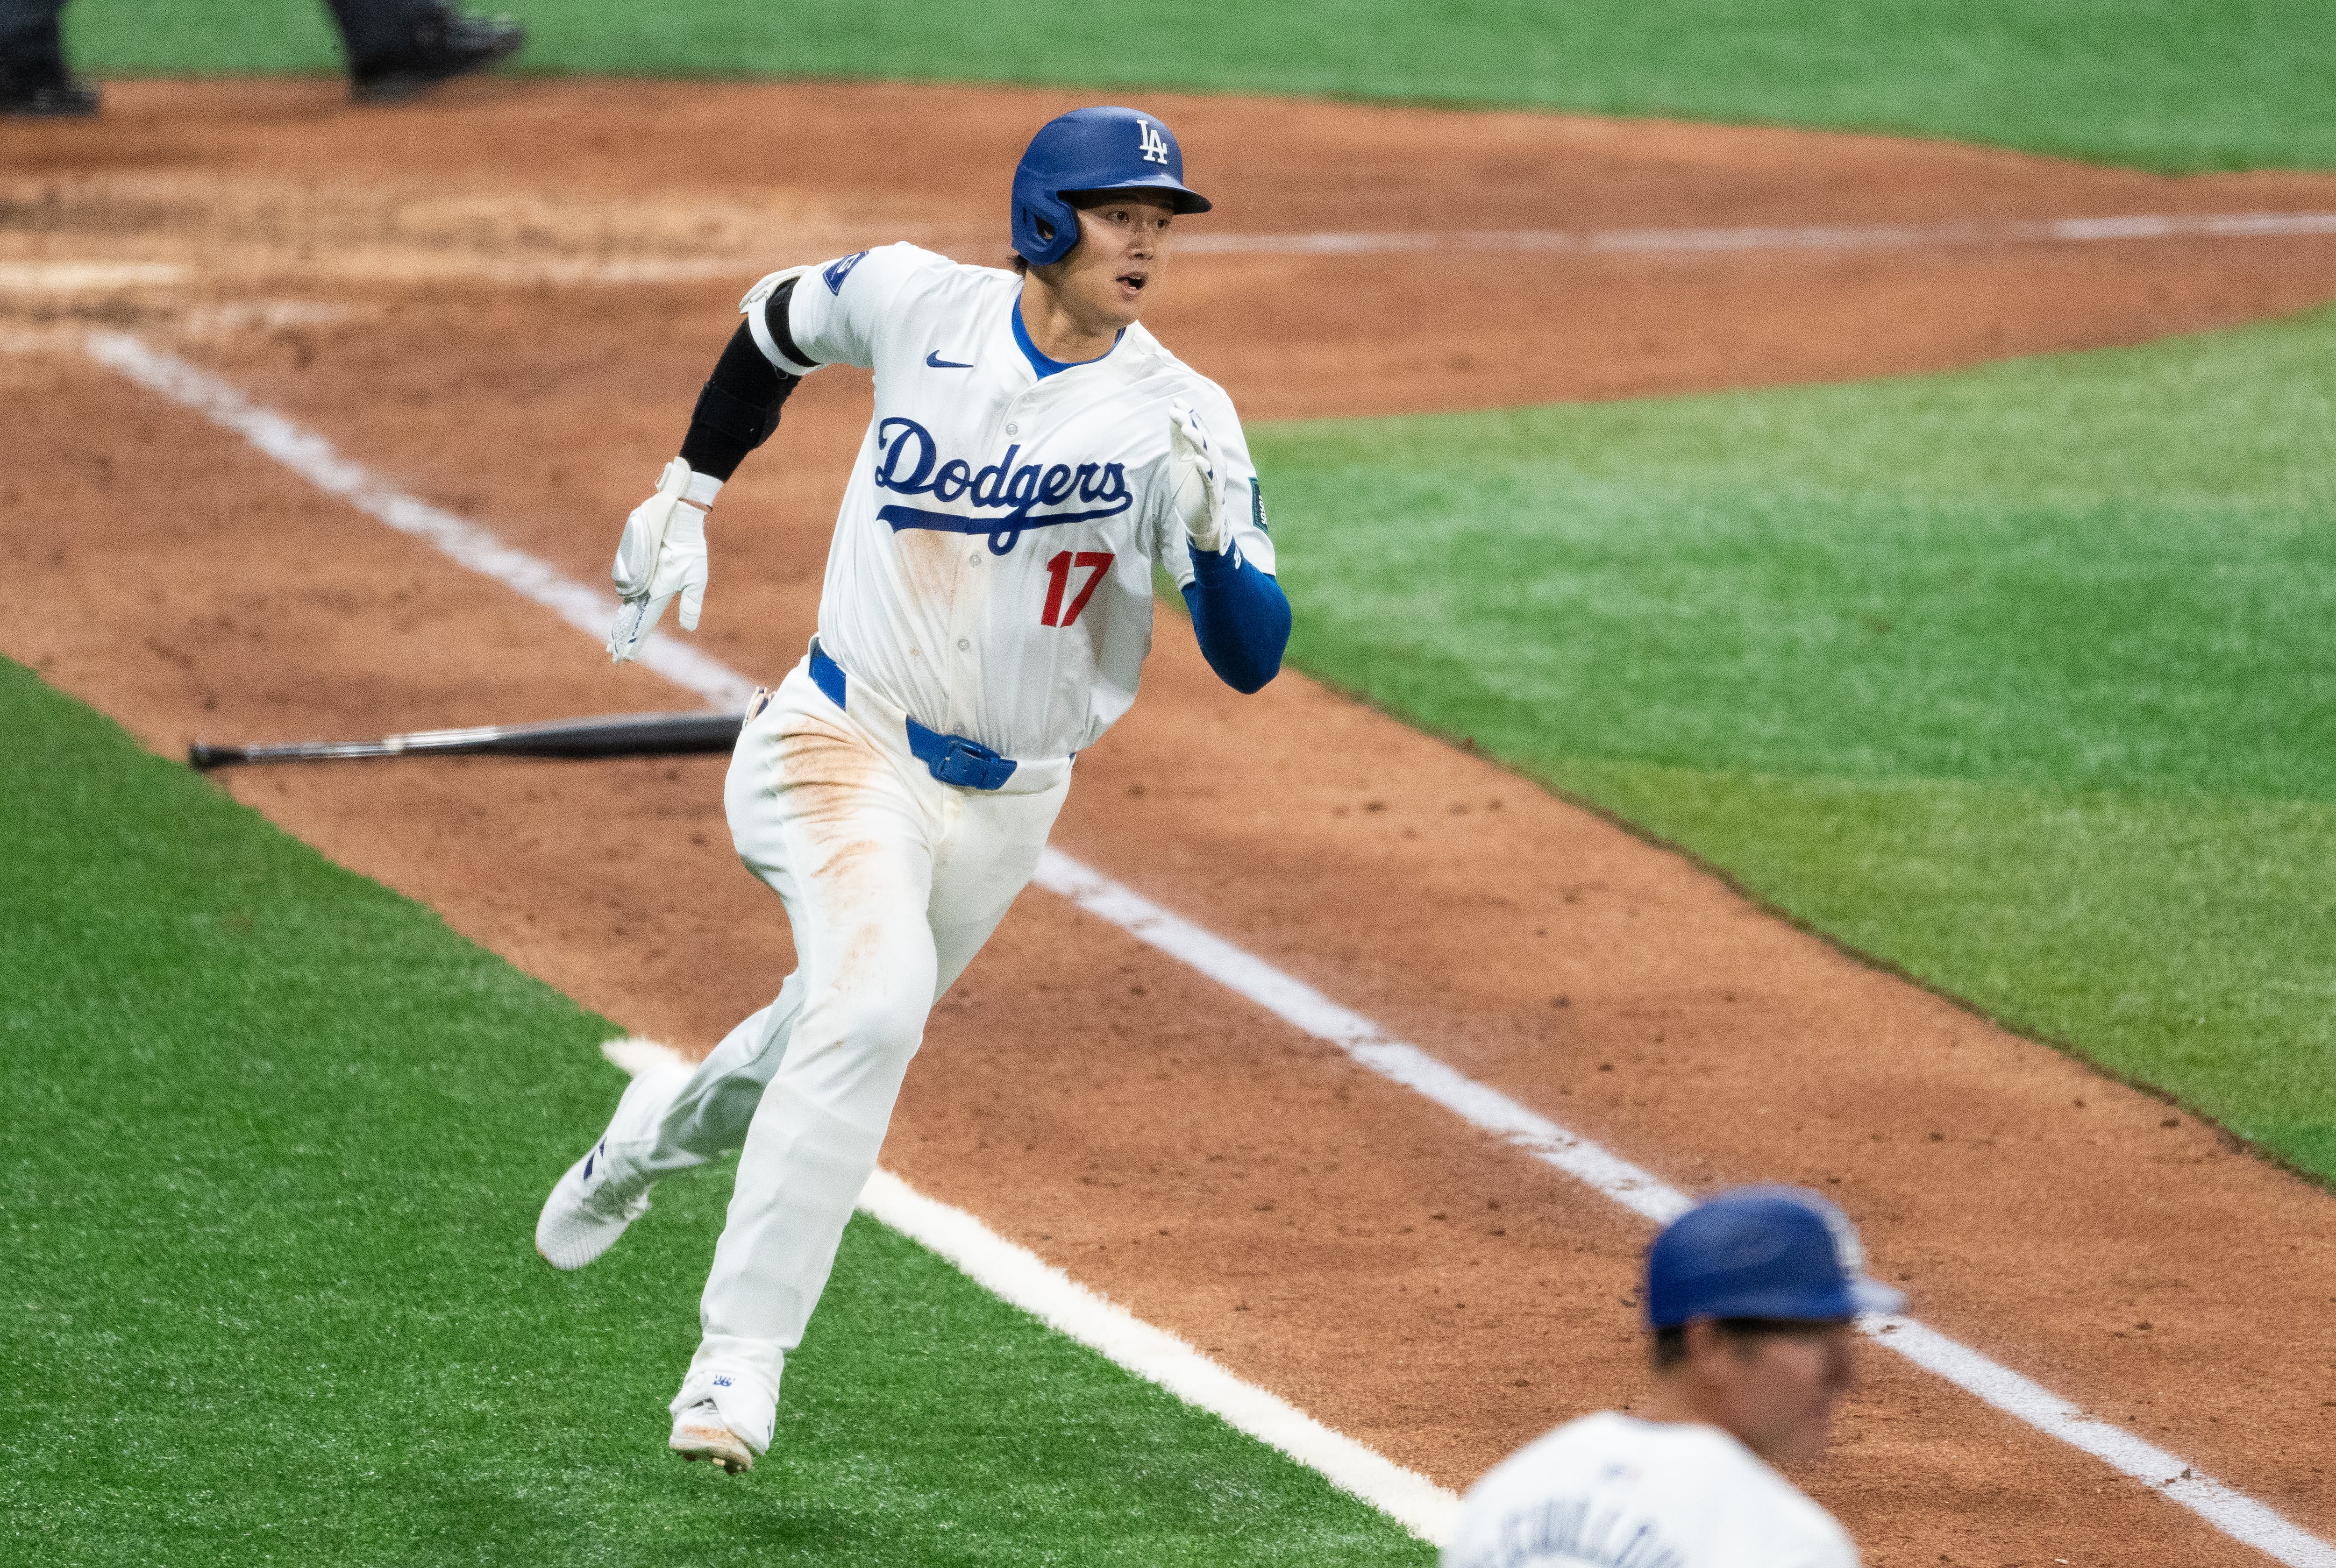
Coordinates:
(41,88)
(445,43)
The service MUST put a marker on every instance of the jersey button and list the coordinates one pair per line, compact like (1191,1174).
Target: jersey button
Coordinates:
(963,644)
(1013,430)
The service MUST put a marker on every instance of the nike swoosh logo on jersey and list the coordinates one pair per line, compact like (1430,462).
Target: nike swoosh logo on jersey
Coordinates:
(934,359)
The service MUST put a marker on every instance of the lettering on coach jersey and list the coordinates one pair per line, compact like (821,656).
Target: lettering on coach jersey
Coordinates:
(1567,1531)
(910,464)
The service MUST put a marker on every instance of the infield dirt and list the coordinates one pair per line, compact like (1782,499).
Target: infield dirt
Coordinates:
(416,286)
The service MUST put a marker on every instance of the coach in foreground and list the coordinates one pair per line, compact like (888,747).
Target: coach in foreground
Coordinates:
(1753,1298)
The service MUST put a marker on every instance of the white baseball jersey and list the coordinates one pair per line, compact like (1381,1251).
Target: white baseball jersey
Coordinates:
(992,571)
(1621,1493)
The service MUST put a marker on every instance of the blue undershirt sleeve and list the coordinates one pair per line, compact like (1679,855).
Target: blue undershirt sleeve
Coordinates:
(1240,616)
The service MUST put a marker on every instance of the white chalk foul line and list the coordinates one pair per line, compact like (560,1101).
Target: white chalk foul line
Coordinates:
(1037,1287)
(312,458)
(1391,1488)
(1814,237)
(1480,1105)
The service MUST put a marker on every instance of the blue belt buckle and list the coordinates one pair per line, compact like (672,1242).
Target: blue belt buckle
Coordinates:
(971,767)
(953,760)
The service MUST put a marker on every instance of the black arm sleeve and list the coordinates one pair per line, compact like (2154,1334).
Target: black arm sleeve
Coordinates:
(739,408)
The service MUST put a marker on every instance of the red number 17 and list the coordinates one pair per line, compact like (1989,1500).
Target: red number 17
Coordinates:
(1059,579)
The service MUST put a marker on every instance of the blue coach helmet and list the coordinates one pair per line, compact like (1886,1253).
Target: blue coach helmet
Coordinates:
(1764,1252)
(1091,149)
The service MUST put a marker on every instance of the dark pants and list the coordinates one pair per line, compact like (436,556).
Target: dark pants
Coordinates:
(369,28)
(373,28)
(28,33)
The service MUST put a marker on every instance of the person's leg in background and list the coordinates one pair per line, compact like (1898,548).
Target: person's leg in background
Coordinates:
(397,48)
(34,79)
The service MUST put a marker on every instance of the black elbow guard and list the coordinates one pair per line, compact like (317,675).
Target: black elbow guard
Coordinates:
(737,410)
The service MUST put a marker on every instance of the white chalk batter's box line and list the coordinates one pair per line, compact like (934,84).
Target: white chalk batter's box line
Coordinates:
(1019,1276)
(85,276)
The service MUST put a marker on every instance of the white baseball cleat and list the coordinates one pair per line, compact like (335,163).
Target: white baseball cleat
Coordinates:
(590,1206)
(588,1211)
(726,1420)
(700,1433)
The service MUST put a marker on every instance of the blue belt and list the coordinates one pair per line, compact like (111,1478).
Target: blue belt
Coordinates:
(952,758)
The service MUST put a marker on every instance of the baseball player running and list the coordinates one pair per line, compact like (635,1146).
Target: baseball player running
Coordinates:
(1751,1297)
(988,605)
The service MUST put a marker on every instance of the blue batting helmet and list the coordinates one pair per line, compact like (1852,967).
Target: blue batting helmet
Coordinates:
(1091,149)
(1764,1252)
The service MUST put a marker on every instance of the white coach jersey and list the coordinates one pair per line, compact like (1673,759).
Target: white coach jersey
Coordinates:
(1621,1493)
(991,571)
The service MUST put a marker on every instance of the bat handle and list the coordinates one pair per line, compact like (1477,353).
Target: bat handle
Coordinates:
(203,758)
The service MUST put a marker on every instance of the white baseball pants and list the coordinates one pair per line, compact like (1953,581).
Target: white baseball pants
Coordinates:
(892,881)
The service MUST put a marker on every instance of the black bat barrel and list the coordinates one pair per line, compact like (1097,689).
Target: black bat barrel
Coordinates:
(614,735)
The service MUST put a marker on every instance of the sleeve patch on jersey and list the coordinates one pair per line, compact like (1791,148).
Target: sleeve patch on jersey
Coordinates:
(837,271)
(1257,505)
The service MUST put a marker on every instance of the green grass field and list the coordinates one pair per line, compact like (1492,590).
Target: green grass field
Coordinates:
(2167,84)
(2016,678)
(275,1144)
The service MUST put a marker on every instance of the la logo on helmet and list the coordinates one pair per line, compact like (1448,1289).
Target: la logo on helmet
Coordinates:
(1151,143)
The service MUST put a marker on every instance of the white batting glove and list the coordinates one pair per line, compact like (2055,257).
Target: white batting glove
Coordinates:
(661,553)
(1193,481)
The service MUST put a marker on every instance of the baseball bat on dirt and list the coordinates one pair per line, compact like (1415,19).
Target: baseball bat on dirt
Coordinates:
(614,735)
